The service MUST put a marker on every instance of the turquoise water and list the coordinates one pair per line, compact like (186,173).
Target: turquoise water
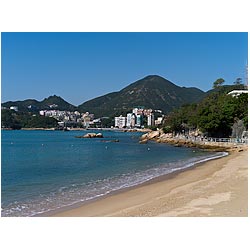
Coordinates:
(47,170)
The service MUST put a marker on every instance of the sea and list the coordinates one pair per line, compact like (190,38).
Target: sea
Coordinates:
(43,171)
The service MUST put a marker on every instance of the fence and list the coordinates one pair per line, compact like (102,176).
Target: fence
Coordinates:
(229,140)
(212,139)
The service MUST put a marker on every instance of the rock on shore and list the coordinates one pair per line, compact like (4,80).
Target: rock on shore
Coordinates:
(149,136)
(160,137)
(91,135)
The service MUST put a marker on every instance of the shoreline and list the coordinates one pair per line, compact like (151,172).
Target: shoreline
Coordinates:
(153,180)
(145,199)
(211,145)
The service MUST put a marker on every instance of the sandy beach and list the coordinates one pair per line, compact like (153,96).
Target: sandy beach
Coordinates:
(214,188)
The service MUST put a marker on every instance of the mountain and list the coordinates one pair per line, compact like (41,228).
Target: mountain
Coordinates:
(52,102)
(59,102)
(151,92)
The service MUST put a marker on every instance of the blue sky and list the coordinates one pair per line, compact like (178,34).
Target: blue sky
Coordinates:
(81,66)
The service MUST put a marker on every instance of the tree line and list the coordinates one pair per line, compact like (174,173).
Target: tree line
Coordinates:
(216,115)
(17,120)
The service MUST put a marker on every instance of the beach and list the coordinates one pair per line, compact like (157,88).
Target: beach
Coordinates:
(214,188)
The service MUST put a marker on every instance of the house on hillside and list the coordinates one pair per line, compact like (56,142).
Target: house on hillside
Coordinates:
(236,93)
(15,108)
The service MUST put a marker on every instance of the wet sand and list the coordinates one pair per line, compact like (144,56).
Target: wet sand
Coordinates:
(214,188)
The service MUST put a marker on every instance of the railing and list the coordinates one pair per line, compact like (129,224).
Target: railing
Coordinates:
(229,140)
(212,139)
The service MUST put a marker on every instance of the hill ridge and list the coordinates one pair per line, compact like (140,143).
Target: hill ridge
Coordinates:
(152,91)
(34,105)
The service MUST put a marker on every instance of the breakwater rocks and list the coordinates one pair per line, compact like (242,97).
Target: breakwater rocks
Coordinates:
(91,135)
(149,136)
(160,137)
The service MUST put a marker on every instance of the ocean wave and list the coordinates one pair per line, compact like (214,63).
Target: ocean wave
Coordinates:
(82,192)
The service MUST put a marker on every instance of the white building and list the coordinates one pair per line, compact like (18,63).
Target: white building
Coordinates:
(158,121)
(134,111)
(129,120)
(236,93)
(42,112)
(86,120)
(53,106)
(139,120)
(120,121)
(151,120)
(138,111)
(15,108)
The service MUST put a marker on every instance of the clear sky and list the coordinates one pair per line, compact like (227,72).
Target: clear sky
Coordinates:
(81,66)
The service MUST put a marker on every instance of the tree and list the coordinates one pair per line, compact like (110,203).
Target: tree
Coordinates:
(28,121)
(238,81)
(17,120)
(214,115)
(10,120)
(218,83)
(182,119)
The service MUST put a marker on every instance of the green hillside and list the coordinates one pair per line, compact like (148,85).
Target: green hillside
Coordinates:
(60,102)
(215,115)
(34,105)
(151,92)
